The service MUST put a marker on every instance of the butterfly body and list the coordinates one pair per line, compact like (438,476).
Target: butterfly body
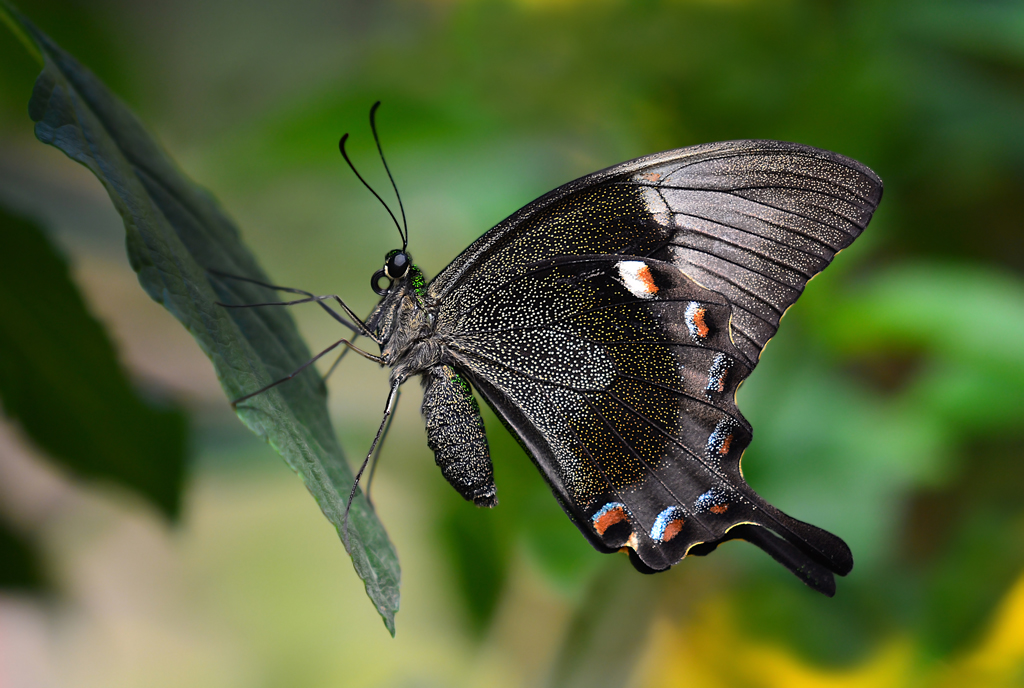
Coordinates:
(609,324)
(405,322)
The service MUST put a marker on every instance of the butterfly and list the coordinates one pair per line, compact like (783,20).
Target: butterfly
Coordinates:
(609,323)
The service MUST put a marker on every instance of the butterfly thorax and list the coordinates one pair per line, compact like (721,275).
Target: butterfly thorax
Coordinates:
(404,322)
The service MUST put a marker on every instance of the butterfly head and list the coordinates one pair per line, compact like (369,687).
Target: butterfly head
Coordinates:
(396,266)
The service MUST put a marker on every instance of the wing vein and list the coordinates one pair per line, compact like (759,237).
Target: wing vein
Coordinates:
(786,187)
(586,450)
(545,263)
(738,419)
(763,204)
(746,267)
(765,256)
(744,290)
(649,468)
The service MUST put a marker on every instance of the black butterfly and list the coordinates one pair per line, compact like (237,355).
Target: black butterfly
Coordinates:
(609,323)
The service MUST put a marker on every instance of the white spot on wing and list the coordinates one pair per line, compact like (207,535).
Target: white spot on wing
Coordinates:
(655,203)
(636,275)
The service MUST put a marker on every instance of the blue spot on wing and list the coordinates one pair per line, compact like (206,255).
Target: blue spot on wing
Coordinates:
(673,513)
(709,499)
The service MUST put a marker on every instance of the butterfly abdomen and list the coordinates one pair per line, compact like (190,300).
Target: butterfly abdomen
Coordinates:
(455,433)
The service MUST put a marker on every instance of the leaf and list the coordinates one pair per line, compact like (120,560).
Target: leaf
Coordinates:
(176,232)
(60,378)
(20,567)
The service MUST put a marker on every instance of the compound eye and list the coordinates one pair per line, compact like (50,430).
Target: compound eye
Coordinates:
(397,264)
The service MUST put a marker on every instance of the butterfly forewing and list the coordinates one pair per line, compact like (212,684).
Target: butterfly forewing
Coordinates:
(755,220)
(752,220)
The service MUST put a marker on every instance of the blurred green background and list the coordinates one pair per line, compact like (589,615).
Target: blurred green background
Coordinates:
(889,409)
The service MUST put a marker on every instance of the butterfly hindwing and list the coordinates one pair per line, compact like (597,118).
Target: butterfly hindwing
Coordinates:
(625,375)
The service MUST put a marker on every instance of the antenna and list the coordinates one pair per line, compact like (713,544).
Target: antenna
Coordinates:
(404,233)
(376,139)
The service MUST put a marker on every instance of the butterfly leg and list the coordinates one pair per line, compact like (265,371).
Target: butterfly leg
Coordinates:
(334,365)
(385,422)
(356,325)
(289,376)
(380,448)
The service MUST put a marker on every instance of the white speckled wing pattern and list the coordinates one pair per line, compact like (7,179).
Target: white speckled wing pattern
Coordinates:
(610,322)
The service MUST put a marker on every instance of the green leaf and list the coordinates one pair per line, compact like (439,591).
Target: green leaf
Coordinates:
(60,378)
(20,567)
(176,232)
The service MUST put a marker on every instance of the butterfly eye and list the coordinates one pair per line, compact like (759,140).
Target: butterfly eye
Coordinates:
(396,264)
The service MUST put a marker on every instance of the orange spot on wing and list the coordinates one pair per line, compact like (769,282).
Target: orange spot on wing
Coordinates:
(726,443)
(608,519)
(644,275)
(672,529)
(651,176)
(719,508)
(698,322)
